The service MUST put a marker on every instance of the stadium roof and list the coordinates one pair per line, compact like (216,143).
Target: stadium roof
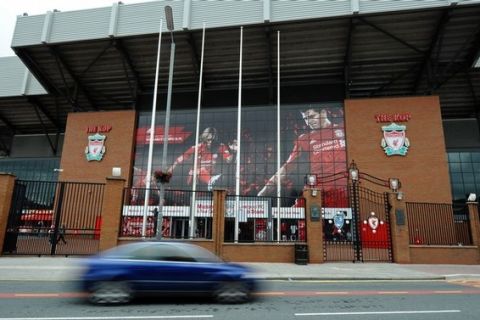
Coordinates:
(104,58)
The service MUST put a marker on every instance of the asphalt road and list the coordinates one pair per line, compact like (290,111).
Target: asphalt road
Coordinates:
(277,300)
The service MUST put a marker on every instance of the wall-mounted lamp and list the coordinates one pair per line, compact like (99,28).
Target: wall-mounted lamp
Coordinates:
(472,197)
(116,172)
(394,184)
(400,196)
(353,173)
(311,180)
(57,170)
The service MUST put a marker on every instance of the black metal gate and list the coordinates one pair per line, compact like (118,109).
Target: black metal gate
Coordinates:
(54,218)
(361,230)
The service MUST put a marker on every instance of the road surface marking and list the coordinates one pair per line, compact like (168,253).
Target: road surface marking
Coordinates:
(270,293)
(375,312)
(331,292)
(36,295)
(193,316)
(448,291)
(393,292)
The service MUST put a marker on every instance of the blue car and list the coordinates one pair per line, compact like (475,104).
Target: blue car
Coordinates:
(122,273)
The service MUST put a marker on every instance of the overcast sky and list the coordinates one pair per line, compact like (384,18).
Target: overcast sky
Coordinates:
(10,9)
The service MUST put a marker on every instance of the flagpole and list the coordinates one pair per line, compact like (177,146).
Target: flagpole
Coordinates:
(279,184)
(197,134)
(148,177)
(239,124)
(169,18)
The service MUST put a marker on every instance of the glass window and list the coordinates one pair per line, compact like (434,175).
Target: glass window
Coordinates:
(476,167)
(465,176)
(467,167)
(312,138)
(470,187)
(455,167)
(458,191)
(465,157)
(40,169)
(468,178)
(476,156)
(456,177)
(453,157)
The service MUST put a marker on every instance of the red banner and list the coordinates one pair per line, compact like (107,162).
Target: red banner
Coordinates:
(176,135)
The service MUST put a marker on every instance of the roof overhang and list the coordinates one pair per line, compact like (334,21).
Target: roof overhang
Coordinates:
(104,59)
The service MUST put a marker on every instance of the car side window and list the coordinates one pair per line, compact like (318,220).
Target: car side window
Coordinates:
(162,253)
(175,254)
(145,253)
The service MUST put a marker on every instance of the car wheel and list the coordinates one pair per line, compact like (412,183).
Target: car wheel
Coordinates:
(110,292)
(232,292)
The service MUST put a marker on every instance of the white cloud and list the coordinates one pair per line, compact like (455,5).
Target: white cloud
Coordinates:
(10,9)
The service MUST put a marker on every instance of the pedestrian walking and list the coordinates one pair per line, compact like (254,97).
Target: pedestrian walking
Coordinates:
(51,234)
(61,234)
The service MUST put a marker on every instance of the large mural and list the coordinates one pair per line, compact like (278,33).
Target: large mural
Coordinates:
(312,142)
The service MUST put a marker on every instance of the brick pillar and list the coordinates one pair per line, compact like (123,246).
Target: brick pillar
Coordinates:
(7,183)
(399,230)
(111,212)
(314,226)
(218,221)
(474,222)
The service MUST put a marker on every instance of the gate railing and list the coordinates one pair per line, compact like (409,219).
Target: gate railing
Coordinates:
(438,224)
(177,210)
(62,218)
(258,219)
(356,225)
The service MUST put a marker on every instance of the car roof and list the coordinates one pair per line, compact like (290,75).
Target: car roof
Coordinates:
(142,244)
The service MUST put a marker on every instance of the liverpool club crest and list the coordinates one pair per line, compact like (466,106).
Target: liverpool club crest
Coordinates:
(96,147)
(394,141)
(339,220)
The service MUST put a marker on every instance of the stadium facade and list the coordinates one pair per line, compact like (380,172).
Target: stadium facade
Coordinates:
(320,87)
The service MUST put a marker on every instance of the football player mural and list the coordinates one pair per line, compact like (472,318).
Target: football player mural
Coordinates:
(324,145)
(210,151)
(312,142)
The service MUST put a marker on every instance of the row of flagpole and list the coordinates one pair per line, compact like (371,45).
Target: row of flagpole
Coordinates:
(149,178)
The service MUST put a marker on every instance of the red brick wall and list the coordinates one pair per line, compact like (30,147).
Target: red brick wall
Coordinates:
(119,146)
(423,172)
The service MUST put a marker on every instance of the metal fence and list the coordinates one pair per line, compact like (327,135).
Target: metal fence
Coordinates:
(264,219)
(360,229)
(438,224)
(177,212)
(62,218)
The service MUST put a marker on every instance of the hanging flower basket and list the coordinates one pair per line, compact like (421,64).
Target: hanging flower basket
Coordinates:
(163,177)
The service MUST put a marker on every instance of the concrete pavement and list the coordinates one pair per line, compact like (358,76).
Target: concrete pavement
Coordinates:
(67,268)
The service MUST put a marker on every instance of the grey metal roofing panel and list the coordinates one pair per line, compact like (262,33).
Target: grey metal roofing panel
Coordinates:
(80,25)
(12,79)
(307,9)
(28,30)
(369,6)
(225,13)
(144,18)
(33,87)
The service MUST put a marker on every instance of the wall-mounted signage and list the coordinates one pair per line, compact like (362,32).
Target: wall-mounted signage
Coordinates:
(396,117)
(394,141)
(96,147)
(99,129)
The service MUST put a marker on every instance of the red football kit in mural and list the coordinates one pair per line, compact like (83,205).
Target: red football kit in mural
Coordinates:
(326,150)
(327,156)
(207,160)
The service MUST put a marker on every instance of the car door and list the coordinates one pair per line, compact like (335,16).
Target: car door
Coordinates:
(167,268)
